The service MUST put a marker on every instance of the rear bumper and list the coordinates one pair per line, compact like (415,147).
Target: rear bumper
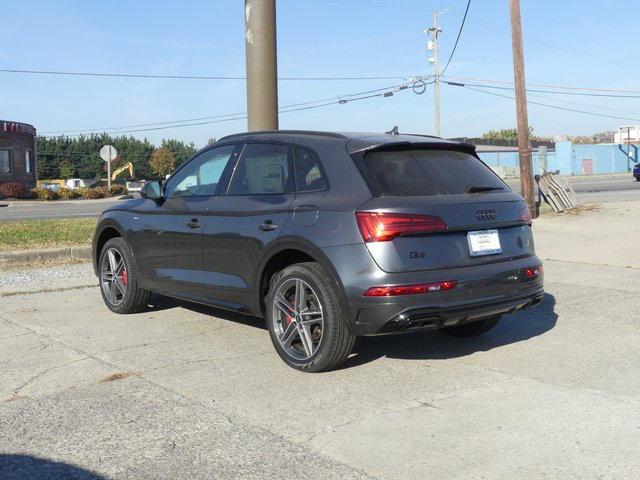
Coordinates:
(433,318)
(481,291)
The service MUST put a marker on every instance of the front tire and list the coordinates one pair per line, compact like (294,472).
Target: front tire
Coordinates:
(472,329)
(306,320)
(118,276)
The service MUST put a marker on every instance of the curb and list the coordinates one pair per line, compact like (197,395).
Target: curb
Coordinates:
(20,257)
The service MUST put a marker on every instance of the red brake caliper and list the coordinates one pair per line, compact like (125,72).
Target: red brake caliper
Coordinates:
(124,278)
(288,318)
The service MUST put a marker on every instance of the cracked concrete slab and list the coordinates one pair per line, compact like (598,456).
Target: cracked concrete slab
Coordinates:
(606,236)
(532,428)
(133,429)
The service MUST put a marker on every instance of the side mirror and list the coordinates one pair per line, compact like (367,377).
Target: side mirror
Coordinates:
(152,191)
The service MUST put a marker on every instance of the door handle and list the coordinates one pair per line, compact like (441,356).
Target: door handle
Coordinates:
(267,226)
(194,223)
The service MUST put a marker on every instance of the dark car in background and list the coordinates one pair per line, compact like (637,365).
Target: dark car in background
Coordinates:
(636,171)
(327,236)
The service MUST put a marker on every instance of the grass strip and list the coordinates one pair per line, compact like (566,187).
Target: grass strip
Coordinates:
(33,234)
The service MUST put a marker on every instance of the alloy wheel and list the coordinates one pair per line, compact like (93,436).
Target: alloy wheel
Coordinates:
(298,318)
(113,277)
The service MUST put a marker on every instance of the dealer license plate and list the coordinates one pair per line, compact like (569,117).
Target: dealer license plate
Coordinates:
(484,242)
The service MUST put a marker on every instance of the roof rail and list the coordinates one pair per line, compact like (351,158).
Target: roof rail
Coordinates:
(286,132)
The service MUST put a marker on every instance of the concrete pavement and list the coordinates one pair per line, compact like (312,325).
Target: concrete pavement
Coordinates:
(550,393)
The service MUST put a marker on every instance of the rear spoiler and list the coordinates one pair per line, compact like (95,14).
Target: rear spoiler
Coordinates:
(360,147)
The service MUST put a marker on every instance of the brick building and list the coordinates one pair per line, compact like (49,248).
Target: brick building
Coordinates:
(17,153)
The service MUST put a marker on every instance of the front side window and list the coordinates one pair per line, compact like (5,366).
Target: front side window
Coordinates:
(309,174)
(430,172)
(200,177)
(5,163)
(262,169)
(28,166)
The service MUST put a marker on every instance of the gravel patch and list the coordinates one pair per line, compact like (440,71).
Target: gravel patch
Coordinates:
(50,277)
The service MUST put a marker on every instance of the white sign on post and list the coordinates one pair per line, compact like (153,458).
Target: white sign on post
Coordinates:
(108,153)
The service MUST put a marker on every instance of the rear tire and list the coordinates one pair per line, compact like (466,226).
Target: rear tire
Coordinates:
(472,329)
(307,329)
(118,276)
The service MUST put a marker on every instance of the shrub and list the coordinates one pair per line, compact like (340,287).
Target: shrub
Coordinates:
(45,194)
(11,190)
(101,192)
(28,193)
(68,193)
(93,193)
(118,190)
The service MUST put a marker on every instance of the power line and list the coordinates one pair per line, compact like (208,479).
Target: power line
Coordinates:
(530,38)
(213,117)
(582,94)
(193,77)
(455,45)
(92,155)
(547,85)
(341,100)
(556,107)
(589,105)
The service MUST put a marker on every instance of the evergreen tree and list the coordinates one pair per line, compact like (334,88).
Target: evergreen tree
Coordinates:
(67,169)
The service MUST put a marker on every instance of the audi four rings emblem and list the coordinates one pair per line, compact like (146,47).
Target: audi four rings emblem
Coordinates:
(486,214)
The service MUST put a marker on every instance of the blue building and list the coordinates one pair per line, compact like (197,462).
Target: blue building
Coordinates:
(569,158)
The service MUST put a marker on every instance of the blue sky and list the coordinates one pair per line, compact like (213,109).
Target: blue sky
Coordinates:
(568,42)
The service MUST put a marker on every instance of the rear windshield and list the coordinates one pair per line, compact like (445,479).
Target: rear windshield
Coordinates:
(430,172)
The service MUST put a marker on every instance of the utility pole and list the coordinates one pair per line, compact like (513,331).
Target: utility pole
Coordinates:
(432,46)
(262,64)
(524,145)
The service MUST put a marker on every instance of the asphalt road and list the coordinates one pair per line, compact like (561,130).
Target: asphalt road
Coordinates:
(599,188)
(34,210)
(596,188)
(184,391)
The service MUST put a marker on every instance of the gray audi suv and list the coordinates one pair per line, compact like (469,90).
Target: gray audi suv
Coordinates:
(327,236)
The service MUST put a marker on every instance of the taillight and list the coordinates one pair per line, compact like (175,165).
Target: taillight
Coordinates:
(382,227)
(394,290)
(531,272)
(525,215)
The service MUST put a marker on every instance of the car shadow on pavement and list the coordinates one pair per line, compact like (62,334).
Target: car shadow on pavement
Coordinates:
(419,345)
(432,344)
(159,302)
(19,467)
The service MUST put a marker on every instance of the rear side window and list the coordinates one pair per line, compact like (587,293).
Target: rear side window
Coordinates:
(429,172)
(262,169)
(309,174)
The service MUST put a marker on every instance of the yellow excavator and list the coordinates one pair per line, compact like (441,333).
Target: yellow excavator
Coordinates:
(123,168)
